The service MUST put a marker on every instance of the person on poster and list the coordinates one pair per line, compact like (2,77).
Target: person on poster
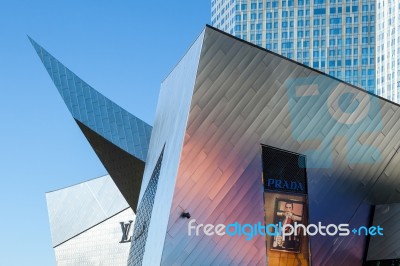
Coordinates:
(291,242)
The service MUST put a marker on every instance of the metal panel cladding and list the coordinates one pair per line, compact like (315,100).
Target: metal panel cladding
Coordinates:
(245,96)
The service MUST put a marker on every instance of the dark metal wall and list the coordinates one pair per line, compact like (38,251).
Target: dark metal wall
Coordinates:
(386,247)
(125,169)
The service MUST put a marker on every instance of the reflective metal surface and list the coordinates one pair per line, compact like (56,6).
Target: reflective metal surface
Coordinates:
(169,129)
(99,245)
(120,140)
(75,209)
(243,97)
(95,110)
(222,101)
(386,247)
(144,213)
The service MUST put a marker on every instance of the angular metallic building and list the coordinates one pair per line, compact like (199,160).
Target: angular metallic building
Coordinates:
(119,139)
(240,135)
(223,101)
(91,223)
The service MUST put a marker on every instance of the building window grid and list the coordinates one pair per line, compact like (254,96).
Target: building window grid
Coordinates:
(271,37)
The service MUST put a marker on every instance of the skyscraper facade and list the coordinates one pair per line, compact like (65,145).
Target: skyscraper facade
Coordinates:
(388,49)
(355,41)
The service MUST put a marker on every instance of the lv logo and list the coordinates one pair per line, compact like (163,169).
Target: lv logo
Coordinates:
(125,227)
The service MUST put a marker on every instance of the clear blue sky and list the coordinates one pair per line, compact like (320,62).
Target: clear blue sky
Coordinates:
(124,49)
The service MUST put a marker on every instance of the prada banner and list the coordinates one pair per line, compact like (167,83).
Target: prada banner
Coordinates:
(283,171)
(285,203)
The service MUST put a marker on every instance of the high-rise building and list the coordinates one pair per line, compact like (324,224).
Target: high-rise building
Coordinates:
(355,41)
(388,49)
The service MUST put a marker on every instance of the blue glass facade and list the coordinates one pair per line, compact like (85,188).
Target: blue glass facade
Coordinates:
(334,36)
(388,49)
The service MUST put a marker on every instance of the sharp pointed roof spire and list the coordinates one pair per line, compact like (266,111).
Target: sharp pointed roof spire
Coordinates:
(94,110)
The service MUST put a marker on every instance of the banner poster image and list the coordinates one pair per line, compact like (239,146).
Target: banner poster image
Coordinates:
(287,212)
(285,206)
(281,209)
